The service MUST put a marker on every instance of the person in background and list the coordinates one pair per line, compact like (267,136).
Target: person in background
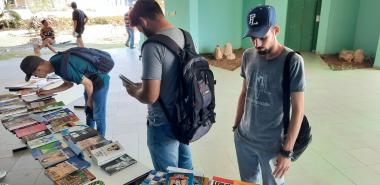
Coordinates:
(130,30)
(79,21)
(47,37)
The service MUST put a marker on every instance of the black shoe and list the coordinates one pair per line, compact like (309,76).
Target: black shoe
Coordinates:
(126,44)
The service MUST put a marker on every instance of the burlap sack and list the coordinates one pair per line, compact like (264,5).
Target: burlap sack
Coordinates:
(346,55)
(359,56)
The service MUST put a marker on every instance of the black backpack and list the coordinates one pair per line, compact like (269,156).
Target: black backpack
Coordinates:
(101,60)
(304,135)
(195,101)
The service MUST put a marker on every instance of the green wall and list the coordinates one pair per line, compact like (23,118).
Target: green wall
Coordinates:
(337,26)
(281,7)
(219,23)
(182,9)
(247,6)
(368,27)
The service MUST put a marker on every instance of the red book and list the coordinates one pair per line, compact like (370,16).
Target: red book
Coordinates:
(221,181)
(30,130)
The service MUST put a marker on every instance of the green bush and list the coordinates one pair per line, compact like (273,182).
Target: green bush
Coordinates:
(10,19)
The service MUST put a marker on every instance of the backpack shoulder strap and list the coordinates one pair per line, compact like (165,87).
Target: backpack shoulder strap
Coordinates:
(286,90)
(166,41)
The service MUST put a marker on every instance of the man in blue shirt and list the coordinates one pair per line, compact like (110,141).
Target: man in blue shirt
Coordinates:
(78,71)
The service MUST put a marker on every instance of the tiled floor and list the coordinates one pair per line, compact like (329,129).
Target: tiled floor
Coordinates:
(343,107)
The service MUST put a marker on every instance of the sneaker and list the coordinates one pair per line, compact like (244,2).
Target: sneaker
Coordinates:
(126,44)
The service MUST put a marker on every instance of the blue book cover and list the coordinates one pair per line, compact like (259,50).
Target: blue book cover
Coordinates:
(79,163)
(155,178)
(51,147)
(179,178)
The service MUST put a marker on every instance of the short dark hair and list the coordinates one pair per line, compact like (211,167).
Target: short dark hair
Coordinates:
(145,8)
(73,5)
(43,21)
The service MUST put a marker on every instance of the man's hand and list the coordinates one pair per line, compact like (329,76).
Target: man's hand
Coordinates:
(132,89)
(283,165)
(89,103)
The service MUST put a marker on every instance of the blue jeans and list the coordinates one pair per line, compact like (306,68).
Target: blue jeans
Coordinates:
(98,116)
(131,37)
(165,150)
(253,163)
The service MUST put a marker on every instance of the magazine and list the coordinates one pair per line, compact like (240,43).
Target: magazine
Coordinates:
(155,178)
(36,135)
(30,130)
(107,153)
(60,170)
(48,148)
(179,178)
(78,177)
(42,141)
(118,164)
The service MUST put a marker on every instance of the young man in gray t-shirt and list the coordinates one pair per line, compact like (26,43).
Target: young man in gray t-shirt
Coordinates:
(258,127)
(160,70)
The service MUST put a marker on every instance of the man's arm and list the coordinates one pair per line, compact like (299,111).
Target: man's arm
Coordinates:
(85,18)
(66,85)
(241,104)
(283,163)
(147,93)
(88,87)
(75,22)
(295,120)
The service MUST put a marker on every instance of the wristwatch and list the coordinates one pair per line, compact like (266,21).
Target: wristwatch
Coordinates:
(287,154)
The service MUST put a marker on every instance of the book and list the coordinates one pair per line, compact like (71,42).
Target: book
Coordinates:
(16,101)
(236,182)
(155,178)
(82,134)
(19,122)
(13,111)
(50,107)
(38,104)
(36,135)
(52,158)
(34,97)
(107,153)
(179,179)
(42,141)
(8,97)
(221,181)
(60,170)
(84,144)
(58,126)
(78,162)
(50,116)
(48,148)
(30,130)
(118,164)
(199,180)
(78,177)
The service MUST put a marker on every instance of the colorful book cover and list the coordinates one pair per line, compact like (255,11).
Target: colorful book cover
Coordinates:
(78,177)
(57,127)
(60,170)
(67,119)
(53,106)
(39,104)
(82,134)
(84,144)
(107,153)
(48,148)
(236,182)
(199,180)
(42,141)
(13,123)
(30,130)
(58,114)
(221,181)
(8,108)
(79,163)
(36,135)
(179,179)
(118,164)
(155,178)
(12,102)
(13,112)
(52,158)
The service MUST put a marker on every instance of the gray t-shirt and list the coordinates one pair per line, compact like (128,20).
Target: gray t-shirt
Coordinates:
(160,64)
(262,121)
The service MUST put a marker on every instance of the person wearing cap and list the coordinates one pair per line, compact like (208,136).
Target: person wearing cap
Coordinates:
(78,71)
(160,70)
(258,128)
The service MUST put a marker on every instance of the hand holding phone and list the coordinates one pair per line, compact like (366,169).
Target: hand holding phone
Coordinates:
(126,81)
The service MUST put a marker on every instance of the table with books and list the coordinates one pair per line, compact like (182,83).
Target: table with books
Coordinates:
(69,150)
(73,153)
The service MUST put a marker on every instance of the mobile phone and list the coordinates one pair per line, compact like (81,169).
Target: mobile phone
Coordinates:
(126,81)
